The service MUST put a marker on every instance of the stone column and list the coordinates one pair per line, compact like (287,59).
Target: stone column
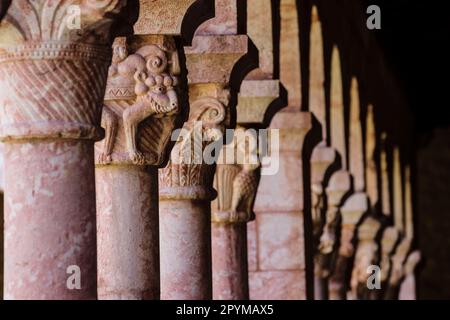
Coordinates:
(238,170)
(276,259)
(237,179)
(4,5)
(53,78)
(141,104)
(351,213)
(186,183)
(323,156)
(366,255)
(146,90)
(186,190)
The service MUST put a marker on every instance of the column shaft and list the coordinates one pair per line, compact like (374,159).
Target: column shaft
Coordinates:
(229,247)
(185,244)
(128,251)
(49,219)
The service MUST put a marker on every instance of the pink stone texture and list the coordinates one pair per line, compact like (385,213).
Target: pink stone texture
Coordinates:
(277,285)
(229,259)
(127,231)
(49,219)
(280,241)
(185,250)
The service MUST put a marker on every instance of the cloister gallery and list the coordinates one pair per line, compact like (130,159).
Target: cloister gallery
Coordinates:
(110,109)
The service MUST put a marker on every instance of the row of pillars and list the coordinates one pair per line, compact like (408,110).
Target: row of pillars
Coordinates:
(96,179)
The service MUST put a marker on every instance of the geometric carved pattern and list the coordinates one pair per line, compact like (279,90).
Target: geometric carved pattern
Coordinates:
(57,98)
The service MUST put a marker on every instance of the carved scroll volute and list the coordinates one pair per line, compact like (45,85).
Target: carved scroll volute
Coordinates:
(187,174)
(237,179)
(54,57)
(141,102)
(366,253)
(388,243)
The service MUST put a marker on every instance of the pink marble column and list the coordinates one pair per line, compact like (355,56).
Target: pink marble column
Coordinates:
(185,195)
(51,102)
(229,247)
(127,230)
(138,119)
(186,185)
(185,244)
(237,178)
(49,219)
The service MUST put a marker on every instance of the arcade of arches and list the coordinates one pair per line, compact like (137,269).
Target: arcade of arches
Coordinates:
(93,185)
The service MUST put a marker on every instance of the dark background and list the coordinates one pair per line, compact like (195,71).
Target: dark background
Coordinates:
(414,39)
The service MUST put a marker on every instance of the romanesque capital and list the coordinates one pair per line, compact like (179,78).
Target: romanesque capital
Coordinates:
(351,213)
(236,180)
(54,58)
(388,243)
(366,255)
(411,263)
(141,101)
(398,262)
(321,160)
(188,175)
(338,186)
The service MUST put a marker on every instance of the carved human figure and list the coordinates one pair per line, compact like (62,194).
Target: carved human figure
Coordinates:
(152,73)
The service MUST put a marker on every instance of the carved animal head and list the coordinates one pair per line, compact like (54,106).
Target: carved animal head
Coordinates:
(156,83)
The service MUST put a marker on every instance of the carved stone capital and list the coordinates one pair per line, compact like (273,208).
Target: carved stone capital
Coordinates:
(321,160)
(398,261)
(366,252)
(187,175)
(54,58)
(237,179)
(339,185)
(141,101)
(351,213)
(411,263)
(388,243)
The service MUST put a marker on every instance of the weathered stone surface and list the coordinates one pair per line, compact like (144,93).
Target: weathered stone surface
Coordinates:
(252,251)
(49,219)
(53,79)
(161,16)
(280,241)
(277,285)
(127,231)
(254,99)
